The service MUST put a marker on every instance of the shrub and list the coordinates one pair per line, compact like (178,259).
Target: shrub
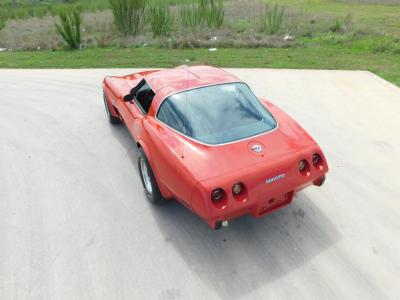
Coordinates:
(190,16)
(128,15)
(272,19)
(161,19)
(337,26)
(212,11)
(70,27)
(2,21)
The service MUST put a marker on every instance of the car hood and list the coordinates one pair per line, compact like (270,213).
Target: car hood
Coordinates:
(207,161)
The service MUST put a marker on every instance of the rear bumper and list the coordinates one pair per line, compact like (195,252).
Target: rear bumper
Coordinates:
(270,185)
(260,208)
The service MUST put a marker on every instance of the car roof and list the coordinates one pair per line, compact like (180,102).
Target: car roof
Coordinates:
(184,77)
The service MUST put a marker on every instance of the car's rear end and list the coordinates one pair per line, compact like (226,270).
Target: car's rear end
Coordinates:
(260,188)
(256,175)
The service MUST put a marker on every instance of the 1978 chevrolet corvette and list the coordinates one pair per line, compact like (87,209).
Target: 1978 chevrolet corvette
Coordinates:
(207,141)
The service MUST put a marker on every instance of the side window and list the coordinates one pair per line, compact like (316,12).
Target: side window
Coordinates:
(171,114)
(144,97)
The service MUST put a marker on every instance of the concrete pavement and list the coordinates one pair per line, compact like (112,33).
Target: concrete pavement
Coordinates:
(74,222)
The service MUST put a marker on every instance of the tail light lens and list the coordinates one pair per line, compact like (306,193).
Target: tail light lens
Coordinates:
(304,167)
(237,189)
(219,198)
(217,195)
(316,159)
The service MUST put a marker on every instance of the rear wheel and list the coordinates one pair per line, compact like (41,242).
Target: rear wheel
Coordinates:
(151,189)
(111,118)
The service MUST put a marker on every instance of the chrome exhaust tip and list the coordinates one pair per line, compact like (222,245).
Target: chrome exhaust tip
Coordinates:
(220,224)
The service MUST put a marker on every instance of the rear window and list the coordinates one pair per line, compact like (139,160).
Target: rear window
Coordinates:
(217,114)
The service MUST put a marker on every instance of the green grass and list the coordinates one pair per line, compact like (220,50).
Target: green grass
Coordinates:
(360,48)
(386,65)
(382,16)
(379,15)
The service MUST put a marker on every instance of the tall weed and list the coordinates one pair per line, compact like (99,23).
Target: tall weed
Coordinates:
(161,19)
(2,21)
(190,16)
(272,19)
(128,15)
(337,26)
(70,27)
(211,12)
(215,13)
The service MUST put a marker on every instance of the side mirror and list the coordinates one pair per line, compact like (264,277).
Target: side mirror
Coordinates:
(128,98)
(131,95)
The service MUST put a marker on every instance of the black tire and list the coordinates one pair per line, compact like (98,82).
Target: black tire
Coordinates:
(153,194)
(111,118)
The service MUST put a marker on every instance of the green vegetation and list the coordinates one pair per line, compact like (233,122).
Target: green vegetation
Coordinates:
(22,9)
(128,15)
(2,22)
(70,27)
(329,57)
(213,12)
(331,34)
(272,20)
(161,19)
(190,16)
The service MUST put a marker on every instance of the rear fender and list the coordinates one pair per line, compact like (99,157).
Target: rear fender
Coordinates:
(165,192)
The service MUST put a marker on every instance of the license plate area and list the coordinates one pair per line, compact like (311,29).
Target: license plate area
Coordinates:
(275,203)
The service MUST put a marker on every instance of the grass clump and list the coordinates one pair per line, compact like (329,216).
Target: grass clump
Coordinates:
(272,19)
(128,15)
(337,26)
(190,16)
(213,12)
(161,19)
(2,22)
(70,27)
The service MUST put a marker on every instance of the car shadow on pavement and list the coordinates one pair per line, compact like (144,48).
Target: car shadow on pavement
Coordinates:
(250,253)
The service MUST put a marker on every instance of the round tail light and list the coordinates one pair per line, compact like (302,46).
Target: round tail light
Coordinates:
(217,195)
(302,165)
(316,159)
(237,189)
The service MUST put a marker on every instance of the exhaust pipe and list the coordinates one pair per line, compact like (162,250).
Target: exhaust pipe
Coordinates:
(320,181)
(220,224)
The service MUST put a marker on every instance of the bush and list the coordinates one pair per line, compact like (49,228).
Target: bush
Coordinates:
(2,21)
(161,19)
(214,13)
(128,15)
(211,12)
(190,16)
(337,26)
(272,19)
(70,27)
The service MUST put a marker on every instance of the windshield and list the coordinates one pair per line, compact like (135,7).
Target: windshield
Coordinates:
(217,114)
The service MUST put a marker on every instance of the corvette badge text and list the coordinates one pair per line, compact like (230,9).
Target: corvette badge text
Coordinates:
(275,178)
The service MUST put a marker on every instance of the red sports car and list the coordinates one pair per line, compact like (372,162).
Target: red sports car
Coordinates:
(207,141)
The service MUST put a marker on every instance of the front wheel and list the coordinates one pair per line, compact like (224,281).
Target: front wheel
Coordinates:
(151,189)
